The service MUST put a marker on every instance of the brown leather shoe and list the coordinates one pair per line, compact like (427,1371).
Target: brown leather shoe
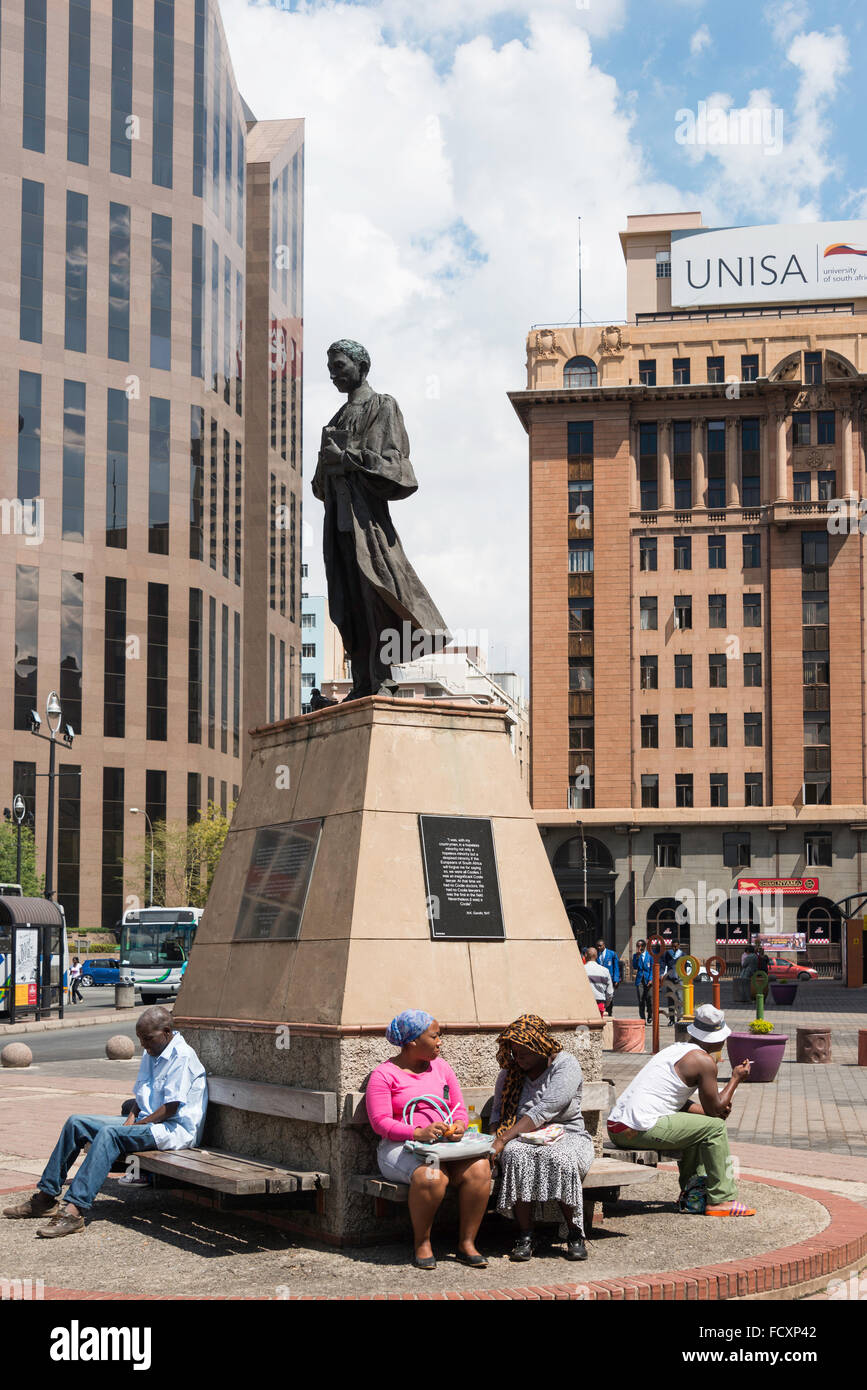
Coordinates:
(38,1204)
(61,1226)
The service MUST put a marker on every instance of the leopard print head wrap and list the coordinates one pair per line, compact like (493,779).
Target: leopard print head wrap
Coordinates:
(528,1031)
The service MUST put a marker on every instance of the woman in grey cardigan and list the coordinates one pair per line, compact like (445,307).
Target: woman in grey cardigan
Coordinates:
(539,1084)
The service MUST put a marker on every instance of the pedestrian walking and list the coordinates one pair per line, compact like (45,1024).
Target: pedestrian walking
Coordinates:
(611,962)
(75,980)
(642,969)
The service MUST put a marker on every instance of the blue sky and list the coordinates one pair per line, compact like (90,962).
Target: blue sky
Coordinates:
(452,147)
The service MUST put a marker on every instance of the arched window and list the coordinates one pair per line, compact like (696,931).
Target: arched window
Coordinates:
(570,855)
(738,920)
(663,920)
(821,921)
(580,371)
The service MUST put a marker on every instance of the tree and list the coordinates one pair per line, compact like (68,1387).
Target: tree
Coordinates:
(185,858)
(32,883)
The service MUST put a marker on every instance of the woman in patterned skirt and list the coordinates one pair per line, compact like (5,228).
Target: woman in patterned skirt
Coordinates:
(539,1084)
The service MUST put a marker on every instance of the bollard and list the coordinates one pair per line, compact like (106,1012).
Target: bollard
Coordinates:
(716,968)
(124,995)
(687,968)
(813,1045)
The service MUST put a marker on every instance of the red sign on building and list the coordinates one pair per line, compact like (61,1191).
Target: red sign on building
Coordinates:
(791,886)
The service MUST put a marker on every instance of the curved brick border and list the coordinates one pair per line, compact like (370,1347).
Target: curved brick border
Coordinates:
(842,1243)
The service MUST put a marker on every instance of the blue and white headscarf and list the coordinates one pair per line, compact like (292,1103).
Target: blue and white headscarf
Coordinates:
(408,1026)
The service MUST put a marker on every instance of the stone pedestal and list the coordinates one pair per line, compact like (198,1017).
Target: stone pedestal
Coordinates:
(311,1011)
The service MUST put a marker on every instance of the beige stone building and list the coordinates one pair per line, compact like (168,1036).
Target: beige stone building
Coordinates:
(697,600)
(150,473)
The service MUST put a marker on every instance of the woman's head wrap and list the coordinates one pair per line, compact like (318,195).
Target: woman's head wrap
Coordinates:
(408,1026)
(528,1031)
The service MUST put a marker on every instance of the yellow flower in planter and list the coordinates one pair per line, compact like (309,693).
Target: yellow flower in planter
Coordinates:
(761,1025)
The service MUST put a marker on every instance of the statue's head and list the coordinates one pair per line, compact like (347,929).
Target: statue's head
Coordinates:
(348,364)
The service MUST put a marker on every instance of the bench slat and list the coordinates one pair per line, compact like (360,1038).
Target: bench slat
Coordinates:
(605,1172)
(172,1166)
(264,1098)
(229,1173)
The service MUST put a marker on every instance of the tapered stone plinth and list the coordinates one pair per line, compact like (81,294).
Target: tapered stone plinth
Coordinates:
(311,1012)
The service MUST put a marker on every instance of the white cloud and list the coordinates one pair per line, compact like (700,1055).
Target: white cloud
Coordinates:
(700,40)
(786,17)
(444,186)
(777,161)
(441,222)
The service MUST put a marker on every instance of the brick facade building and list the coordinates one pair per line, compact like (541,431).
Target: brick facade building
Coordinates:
(697,612)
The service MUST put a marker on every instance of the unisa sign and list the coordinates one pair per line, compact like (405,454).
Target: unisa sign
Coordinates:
(762,265)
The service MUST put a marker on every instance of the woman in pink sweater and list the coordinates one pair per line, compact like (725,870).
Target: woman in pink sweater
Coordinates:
(419,1070)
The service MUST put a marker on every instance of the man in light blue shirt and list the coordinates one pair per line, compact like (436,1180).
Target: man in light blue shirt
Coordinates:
(171,1096)
(611,961)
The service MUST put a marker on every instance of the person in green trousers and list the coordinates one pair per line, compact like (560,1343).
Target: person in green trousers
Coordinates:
(657,1110)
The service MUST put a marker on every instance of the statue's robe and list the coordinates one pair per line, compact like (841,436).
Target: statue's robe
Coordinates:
(369,577)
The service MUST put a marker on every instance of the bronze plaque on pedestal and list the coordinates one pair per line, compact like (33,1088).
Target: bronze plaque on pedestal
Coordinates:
(461,879)
(277,881)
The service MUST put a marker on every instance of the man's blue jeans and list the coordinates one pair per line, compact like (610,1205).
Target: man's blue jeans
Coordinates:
(108,1138)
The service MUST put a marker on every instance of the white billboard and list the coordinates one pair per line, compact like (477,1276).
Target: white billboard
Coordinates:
(764,265)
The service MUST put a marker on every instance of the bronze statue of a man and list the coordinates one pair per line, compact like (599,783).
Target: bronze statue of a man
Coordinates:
(378,603)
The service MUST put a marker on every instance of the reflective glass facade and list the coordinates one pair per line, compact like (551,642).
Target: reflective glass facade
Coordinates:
(29,433)
(35,47)
(164,86)
(78,83)
(26,643)
(160,476)
(161,292)
(75,332)
(71,646)
(74,397)
(32,240)
(118,282)
(114,678)
(121,87)
(139,218)
(116,469)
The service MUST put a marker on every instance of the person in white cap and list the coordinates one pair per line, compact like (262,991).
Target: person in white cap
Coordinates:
(657,1111)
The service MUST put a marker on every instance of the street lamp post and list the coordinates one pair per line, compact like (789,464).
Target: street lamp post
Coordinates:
(19,809)
(580,825)
(54,713)
(135,811)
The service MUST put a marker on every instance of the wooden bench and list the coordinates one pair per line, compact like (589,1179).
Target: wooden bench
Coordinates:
(603,1181)
(237,1176)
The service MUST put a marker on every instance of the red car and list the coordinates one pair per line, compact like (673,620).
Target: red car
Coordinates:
(787,970)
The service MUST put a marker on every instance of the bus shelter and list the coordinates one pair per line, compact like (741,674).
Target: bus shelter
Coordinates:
(33,957)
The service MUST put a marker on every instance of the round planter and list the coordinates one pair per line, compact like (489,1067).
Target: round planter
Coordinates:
(763,1050)
(628,1034)
(784,991)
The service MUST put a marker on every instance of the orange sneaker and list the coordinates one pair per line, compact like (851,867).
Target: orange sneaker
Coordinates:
(730,1209)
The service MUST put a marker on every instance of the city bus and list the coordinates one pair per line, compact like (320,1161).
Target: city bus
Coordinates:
(155,946)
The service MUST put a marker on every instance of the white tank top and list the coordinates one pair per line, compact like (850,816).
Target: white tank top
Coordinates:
(657,1090)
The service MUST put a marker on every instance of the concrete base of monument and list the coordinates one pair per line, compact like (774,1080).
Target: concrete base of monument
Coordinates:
(337,1062)
(383,855)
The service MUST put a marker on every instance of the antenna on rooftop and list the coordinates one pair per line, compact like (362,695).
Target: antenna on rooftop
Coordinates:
(579,272)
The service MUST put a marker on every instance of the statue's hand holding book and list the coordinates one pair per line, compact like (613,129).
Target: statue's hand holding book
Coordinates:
(334,441)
